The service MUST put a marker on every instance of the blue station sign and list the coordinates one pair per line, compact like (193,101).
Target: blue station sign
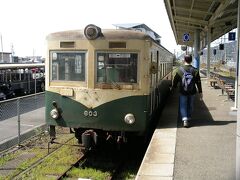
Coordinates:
(186,37)
(231,36)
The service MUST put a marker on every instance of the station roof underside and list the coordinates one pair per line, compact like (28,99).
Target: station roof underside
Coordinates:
(219,16)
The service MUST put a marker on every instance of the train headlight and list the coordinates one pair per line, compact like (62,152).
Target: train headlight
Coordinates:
(92,32)
(54,114)
(129,119)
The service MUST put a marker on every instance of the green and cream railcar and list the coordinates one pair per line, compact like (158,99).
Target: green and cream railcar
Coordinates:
(109,81)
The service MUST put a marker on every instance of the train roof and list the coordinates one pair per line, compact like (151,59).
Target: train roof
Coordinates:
(106,34)
(110,34)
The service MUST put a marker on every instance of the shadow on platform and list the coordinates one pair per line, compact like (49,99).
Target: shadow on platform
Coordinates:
(202,117)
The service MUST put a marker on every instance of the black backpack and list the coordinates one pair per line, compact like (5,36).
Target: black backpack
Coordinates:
(188,80)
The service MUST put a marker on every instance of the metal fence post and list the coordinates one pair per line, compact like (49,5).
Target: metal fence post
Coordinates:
(19,123)
(35,82)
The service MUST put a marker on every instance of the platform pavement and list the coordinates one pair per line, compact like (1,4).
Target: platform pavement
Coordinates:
(30,122)
(205,151)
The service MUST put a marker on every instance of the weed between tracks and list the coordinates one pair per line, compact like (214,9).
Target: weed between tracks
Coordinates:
(55,164)
(32,151)
(100,166)
(89,173)
(110,163)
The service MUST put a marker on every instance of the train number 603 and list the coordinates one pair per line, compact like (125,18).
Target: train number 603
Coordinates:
(90,113)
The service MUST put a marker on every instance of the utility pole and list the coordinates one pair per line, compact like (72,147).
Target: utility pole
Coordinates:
(238,113)
(2,47)
(13,53)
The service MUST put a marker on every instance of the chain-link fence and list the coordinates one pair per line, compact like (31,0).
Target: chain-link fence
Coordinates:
(21,118)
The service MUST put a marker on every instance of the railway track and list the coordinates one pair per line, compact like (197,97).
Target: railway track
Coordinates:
(226,78)
(16,162)
(78,163)
(94,159)
(106,158)
(24,174)
(67,159)
(109,163)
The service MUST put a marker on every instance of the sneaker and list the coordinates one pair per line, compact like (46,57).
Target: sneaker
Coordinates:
(184,118)
(185,123)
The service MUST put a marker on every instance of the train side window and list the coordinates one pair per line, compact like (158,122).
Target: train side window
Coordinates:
(161,70)
(117,67)
(164,69)
(68,66)
(157,76)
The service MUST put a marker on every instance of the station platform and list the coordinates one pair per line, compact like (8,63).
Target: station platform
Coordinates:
(31,123)
(205,150)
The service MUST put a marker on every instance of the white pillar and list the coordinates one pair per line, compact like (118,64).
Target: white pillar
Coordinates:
(237,98)
(196,62)
(237,62)
(208,51)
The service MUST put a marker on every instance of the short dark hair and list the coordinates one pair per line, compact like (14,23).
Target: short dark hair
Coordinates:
(188,59)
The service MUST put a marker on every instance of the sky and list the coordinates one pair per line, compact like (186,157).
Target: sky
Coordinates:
(25,24)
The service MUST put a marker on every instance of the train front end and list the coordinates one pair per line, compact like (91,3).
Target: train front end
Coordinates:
(97,85)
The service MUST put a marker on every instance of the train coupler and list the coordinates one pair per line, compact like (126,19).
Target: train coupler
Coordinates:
(109,137)
(121,138)
(89,139)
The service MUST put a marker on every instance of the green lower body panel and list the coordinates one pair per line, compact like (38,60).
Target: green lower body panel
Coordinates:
(108,116)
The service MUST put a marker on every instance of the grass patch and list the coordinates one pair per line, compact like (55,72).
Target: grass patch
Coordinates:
(4,159)
(38,154)
(130,170)
(127,176)
(37,149)
(89,173)
(56,164)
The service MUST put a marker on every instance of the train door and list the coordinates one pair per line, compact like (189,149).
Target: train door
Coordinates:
(157,81)
(151,88)
(153,80)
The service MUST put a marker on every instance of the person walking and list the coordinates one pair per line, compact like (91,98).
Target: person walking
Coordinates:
(188,77)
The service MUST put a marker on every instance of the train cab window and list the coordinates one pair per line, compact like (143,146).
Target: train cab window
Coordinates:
(68,66)
(117,67)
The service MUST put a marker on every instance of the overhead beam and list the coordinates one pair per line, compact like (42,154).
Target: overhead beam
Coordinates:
(190,14)
(193,11)
(212,0)
(233,10)
(185,30)
(189,26)
(191,20)
(223,20)
(223,30)
(221,8)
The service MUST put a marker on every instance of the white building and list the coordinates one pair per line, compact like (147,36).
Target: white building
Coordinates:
(140,27)
(5,57)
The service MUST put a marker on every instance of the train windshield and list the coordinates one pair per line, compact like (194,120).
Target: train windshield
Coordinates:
(68,66)
(117,67)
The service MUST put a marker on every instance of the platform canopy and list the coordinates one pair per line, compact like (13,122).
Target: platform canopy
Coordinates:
(219,16)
